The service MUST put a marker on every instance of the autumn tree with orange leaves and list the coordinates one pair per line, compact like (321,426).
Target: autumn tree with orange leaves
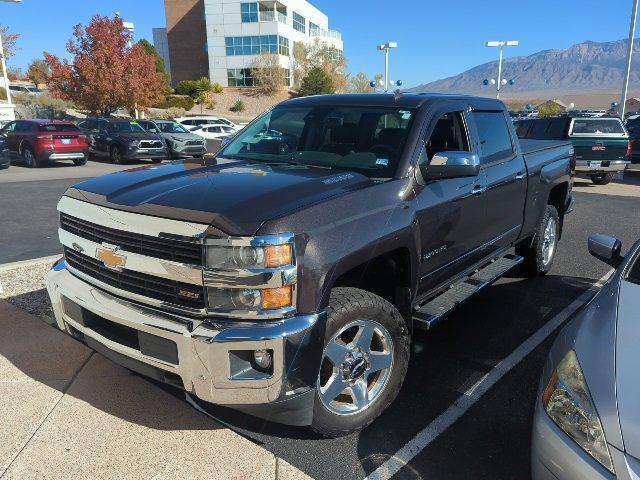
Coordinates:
(105,72)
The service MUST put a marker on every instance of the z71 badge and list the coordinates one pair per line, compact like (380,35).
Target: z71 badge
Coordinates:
(433,253)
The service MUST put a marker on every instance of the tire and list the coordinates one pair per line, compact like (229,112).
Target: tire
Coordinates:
(28,157)
(602,178)
(115,153)
(352,315)
(80,161)
(538,259)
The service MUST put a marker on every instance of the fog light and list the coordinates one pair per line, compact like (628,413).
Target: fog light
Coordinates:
(262,358)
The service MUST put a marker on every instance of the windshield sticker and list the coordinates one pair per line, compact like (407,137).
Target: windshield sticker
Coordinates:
(405,114)
(382,161)
(338,178)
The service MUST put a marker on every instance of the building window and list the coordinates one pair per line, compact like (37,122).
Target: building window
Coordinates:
(314,30)
(252,45)
(243,77)
(240,77)
(299,22)
(249,12)
(283,46)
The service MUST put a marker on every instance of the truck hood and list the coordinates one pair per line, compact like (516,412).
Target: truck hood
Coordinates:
(627,371)
(236,197)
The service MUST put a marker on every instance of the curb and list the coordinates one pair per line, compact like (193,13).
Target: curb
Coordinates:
(25,263)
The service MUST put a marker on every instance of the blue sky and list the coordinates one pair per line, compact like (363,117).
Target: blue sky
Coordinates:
(436,39)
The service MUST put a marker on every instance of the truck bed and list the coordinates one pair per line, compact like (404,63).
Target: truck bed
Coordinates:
(530,147)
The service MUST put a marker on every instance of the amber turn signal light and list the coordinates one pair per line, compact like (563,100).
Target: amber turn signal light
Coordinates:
(277,255)
(275,298)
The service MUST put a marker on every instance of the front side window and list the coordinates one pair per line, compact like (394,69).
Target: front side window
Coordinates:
(634,271)
(449,134)
(494,136)
(249,12)
(299,22)
(368,140)
(9,127)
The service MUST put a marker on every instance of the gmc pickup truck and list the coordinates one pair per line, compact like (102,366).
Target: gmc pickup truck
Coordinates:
(286,276)
(602,144)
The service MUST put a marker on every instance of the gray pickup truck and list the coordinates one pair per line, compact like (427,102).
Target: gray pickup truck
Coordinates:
(286,276)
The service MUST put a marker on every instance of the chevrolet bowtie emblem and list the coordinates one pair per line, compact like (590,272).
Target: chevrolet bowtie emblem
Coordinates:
(110,258)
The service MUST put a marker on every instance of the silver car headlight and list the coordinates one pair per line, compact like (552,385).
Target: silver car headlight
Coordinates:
(176,139)
(250,277)
(569,404)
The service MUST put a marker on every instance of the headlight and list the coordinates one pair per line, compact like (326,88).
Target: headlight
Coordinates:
(176,139)
(569,404)
(250,277)
(248,256)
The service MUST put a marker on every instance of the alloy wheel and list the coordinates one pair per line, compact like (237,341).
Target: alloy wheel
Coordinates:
(356,366)
(549,241)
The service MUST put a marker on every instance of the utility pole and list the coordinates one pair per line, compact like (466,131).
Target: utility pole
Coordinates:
(386,48)
(632,34)
(501,45)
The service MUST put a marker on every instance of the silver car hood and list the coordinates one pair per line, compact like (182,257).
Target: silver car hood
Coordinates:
(182,136)
(628,366)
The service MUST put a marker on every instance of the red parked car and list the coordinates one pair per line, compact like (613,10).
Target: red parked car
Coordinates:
(39,142)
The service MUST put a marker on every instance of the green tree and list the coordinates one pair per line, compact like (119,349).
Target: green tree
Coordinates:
(360,83)
(316,82)
(320,54)
(550,109)
(160,65)
(38,71)
(269,76)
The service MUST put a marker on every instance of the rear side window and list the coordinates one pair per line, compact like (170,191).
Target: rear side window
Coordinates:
(58,127)
(494,136)
(597,126)
(522,128)
(548,128)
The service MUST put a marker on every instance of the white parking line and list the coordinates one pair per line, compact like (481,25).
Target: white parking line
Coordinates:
(473,394)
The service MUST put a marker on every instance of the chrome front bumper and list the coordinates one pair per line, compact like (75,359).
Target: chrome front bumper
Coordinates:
(594,166)
(207,352)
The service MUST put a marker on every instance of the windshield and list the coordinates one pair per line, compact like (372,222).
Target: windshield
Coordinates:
(368,140)
(172,127)
(58,127)
(126,127)
(599,126)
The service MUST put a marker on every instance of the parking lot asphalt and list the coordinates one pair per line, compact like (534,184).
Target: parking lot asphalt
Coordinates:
(490,439)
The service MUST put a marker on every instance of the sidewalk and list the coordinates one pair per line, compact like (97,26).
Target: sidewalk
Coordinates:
(67,412)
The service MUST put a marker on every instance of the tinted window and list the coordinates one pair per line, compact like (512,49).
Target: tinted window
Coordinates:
(126,126)
(634,272)
(493,133)
(583,126)
(522,128)
(354,138)
(449,134)
(58,127)
(9,127)
(23,127)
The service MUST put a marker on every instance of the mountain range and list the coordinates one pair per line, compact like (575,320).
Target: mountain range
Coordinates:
(585,68)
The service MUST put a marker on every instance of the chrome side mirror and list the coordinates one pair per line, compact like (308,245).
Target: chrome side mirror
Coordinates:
(453,164)
(606,249)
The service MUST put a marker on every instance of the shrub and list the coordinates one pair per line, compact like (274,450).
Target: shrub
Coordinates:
(43,106)
(169,114)
(217,88)
(177,101)
(316,82)
(3,93)
(238,106)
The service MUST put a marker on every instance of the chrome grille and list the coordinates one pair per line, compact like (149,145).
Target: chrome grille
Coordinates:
(164,248)
(195,142)
(139,283)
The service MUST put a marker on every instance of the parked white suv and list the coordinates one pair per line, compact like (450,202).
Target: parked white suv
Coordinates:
(190,122)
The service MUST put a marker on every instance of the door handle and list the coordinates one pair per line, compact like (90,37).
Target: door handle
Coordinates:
(520,176)
(478,190)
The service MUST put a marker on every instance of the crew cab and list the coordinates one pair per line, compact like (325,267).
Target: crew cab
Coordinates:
(286,276)
(122,140)
(601,144)
(39,142)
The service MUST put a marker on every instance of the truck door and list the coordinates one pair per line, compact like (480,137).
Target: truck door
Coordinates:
(506,179)
(450,212)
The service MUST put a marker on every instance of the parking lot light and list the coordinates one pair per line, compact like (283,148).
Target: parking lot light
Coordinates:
(501,45)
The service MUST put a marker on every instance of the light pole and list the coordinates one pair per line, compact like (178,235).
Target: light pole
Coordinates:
(632,33)
(501,45)
(386,47)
